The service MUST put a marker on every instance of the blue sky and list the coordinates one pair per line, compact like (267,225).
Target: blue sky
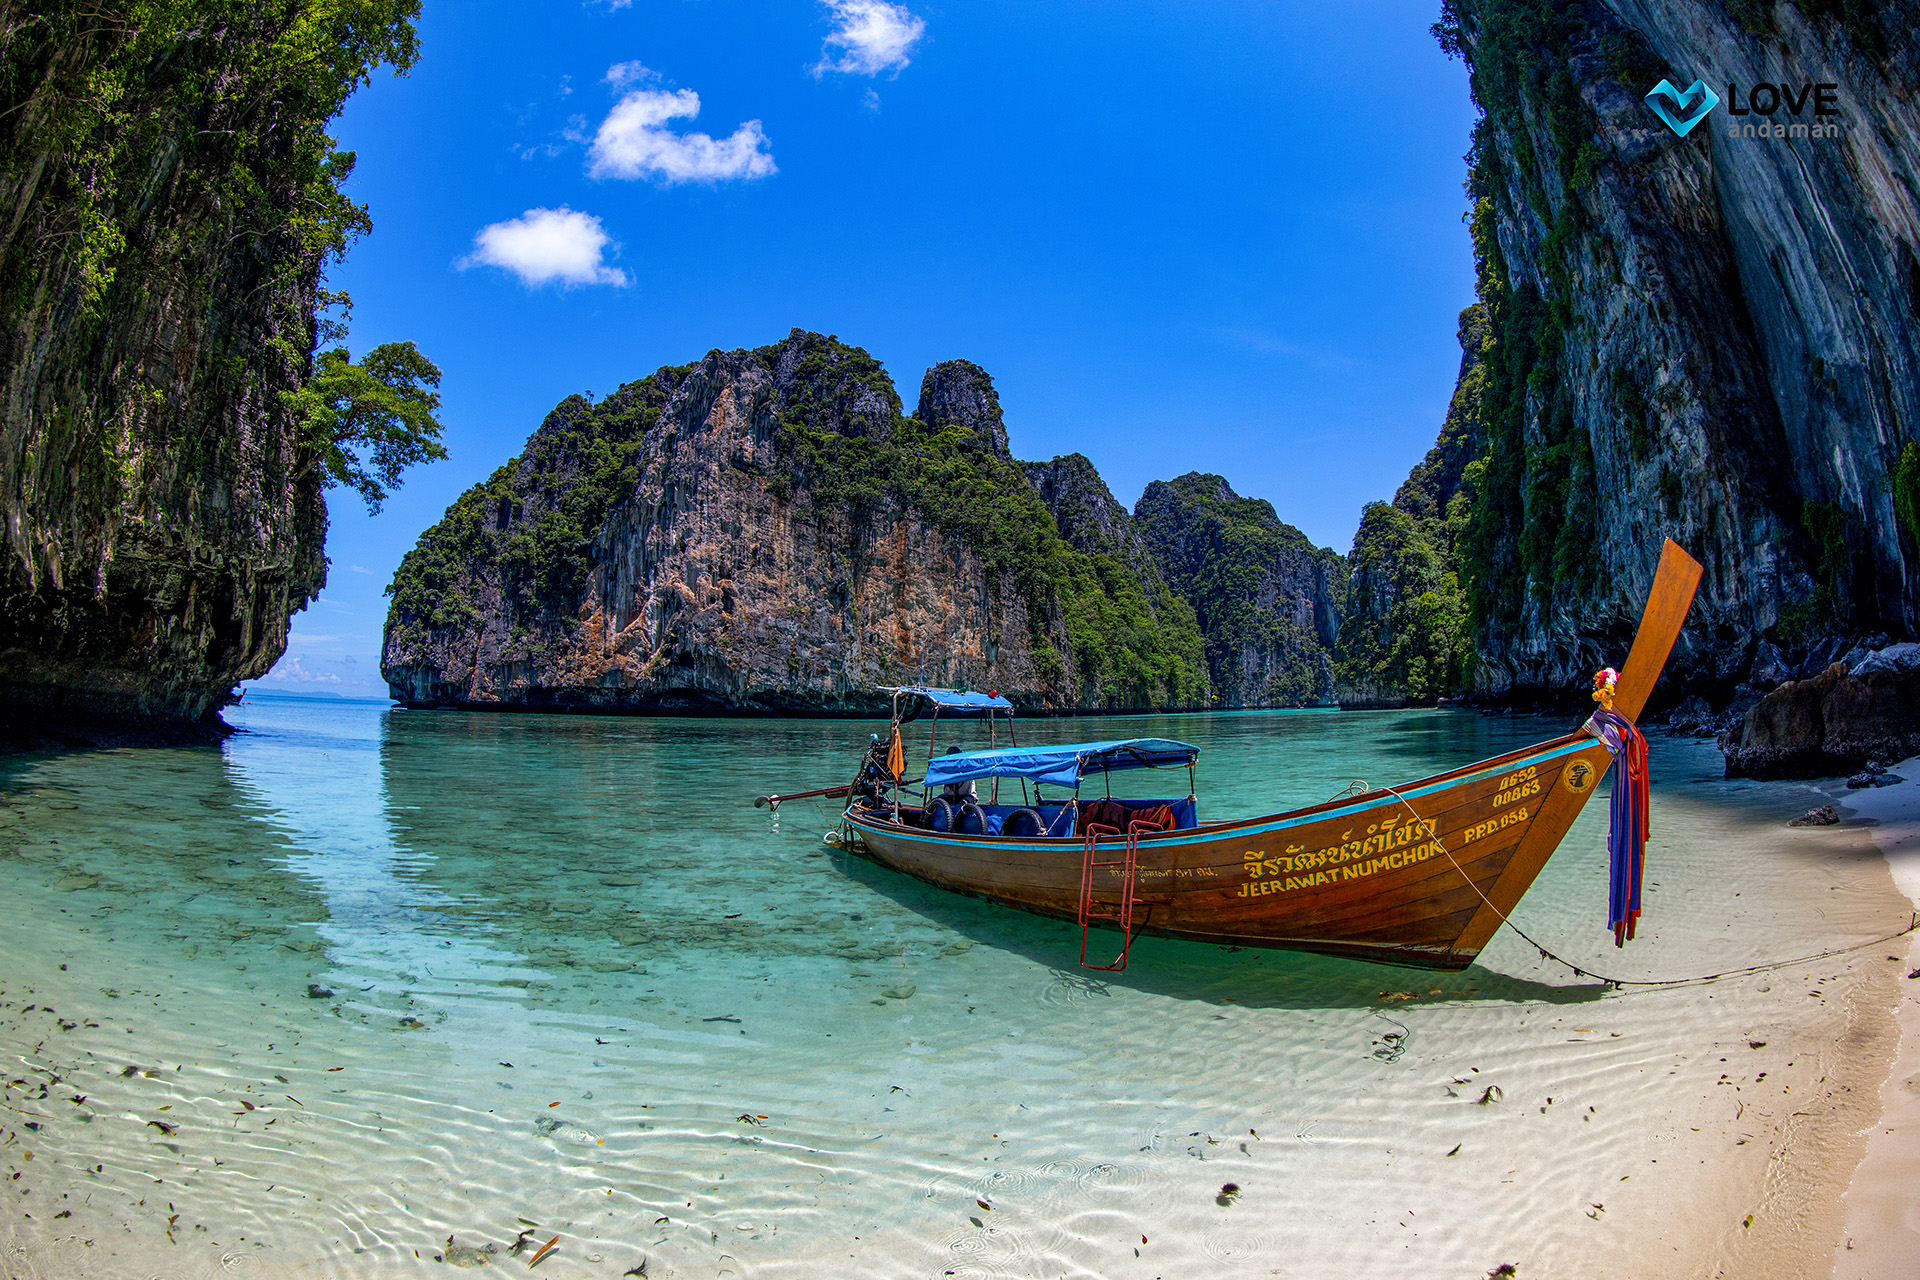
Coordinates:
(1220,237)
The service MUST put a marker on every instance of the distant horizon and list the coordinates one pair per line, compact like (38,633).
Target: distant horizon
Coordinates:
(1238,229)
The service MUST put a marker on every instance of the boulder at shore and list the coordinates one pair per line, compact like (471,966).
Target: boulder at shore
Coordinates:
(1833,723)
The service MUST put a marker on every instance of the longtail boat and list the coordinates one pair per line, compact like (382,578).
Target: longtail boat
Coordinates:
(1421,874)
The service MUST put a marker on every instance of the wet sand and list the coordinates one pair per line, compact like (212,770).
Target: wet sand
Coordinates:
(909,1084)
(1881,1240)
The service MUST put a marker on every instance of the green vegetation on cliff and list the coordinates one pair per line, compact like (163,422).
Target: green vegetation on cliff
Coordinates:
(1260,590)
(102,94)
(1529,528)
(1404,631)
(173,199)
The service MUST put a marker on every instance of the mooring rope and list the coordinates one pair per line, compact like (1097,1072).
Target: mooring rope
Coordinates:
(1359,787)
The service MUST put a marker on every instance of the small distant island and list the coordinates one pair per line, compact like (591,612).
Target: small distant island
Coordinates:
(767,531)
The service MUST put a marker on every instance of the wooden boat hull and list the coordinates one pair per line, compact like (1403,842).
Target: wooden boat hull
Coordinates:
(1418,876)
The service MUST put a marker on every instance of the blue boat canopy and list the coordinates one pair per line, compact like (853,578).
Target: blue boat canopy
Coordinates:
(1060,766)
(950,702)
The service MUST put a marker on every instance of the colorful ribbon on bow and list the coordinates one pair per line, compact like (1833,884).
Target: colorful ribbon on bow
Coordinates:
(1627,812)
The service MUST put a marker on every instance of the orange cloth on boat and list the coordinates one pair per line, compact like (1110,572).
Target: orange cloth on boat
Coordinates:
(896,755)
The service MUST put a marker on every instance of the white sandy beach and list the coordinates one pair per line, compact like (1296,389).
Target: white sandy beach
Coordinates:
(1882,1207)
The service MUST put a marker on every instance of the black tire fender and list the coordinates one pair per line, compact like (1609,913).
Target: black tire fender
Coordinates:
(1035,825)
(940,814)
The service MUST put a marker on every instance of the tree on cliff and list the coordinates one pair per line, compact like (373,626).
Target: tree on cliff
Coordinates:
(366,423)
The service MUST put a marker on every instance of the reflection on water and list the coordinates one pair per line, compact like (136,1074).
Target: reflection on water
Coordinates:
(364,979)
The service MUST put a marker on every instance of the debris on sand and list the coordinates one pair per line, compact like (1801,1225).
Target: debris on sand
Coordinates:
(1229,1192)
(566,1131)
(1824,816)
(464,1255)
(317,992)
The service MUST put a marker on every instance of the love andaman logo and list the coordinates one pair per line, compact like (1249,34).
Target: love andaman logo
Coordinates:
(1692,105)
(1682,110)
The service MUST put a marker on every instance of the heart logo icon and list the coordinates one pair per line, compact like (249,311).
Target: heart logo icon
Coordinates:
(1688,114)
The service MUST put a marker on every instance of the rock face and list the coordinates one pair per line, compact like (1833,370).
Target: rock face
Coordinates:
(1710,338)
(1833,723)
(1265,597)
(162,519)
(763,532)
(1090,518)
(959,393)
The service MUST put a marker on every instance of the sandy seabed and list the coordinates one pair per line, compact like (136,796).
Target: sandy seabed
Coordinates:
(1519,1115)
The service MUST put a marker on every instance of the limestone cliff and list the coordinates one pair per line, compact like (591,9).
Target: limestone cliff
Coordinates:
(1710,337)
(763,531)
(1265,597)
(959,393)
(170,196)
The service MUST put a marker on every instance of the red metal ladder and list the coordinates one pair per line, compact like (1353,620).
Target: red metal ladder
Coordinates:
(1122,912)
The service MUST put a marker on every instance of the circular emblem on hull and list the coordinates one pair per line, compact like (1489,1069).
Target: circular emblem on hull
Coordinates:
(1580,777)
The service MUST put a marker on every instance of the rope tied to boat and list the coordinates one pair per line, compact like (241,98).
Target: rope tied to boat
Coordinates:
(1359,787)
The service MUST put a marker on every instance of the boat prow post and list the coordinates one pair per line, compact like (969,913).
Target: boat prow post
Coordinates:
(1674,583)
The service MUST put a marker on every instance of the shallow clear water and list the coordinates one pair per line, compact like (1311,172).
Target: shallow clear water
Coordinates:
(580,983)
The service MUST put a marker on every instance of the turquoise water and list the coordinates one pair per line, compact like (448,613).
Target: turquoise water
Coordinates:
(361,979)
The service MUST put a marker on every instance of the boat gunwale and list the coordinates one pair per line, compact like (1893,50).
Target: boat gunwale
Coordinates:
(1566,744)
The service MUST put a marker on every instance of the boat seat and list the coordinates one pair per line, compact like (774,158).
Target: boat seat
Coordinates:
(1185,812)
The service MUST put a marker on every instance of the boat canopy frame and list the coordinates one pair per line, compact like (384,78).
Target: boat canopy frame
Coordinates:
(912,701)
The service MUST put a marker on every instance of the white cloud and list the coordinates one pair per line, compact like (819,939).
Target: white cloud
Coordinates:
(622,74)
(290,671)
(634,141)
(546,244)
(872,36)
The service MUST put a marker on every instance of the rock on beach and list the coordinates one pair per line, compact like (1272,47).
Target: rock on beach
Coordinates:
(1833,723)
